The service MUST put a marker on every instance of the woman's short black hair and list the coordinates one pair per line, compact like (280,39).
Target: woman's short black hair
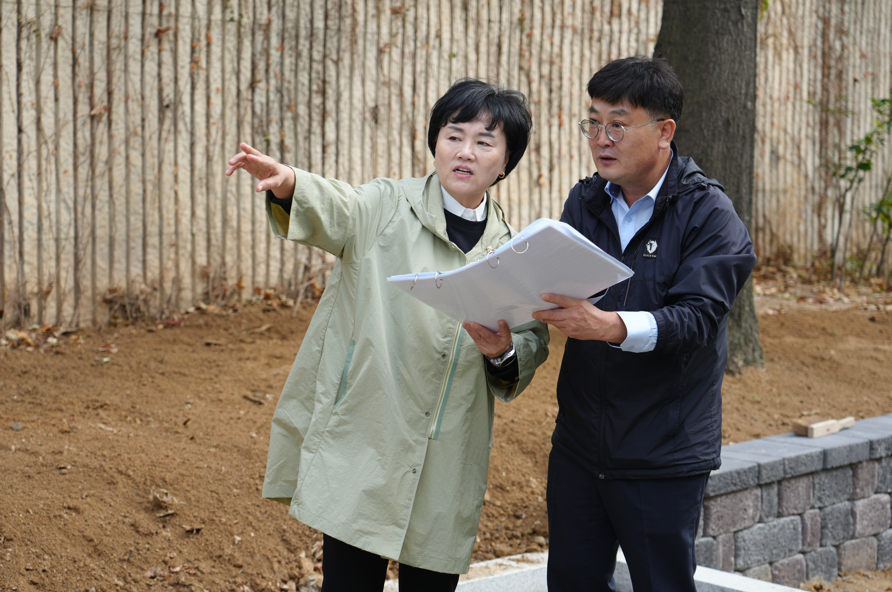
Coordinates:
(649,83)
(469,99)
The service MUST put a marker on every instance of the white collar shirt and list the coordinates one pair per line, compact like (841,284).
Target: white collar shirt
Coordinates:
(451,205)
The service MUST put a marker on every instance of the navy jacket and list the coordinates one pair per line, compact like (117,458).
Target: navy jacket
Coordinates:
(657,414)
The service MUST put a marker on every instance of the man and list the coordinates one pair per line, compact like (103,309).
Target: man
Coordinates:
(639,427)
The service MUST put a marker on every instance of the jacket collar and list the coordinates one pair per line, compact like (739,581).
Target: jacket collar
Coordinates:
(683,176)
(426,199)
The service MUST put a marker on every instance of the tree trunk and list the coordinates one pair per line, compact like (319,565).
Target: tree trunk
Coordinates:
(711,44)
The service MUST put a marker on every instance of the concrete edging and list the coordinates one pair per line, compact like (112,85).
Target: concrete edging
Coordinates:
(527,573)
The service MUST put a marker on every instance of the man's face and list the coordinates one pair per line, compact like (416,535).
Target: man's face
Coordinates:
(632,162)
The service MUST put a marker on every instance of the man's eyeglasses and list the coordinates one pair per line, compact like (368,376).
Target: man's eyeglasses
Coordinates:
(615,130)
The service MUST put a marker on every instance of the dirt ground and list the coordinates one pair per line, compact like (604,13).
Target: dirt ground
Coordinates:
(132,458)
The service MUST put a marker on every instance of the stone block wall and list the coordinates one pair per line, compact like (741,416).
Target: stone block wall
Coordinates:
(788,508)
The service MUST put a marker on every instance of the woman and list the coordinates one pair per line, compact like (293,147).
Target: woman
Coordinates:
(382,434)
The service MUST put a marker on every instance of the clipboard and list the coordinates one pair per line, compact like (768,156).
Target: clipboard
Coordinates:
(546,257)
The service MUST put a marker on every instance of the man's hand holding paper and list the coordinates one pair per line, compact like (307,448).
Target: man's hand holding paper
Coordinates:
(580,319)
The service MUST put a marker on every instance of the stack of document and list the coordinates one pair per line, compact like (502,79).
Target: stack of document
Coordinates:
(547,257)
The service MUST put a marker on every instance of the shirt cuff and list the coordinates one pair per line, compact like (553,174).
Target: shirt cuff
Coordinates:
(641,329)
(284,203)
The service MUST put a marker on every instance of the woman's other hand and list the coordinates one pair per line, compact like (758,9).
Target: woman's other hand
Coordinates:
(273,176)
(491,345)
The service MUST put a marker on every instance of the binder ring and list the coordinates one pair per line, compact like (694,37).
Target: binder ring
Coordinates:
(413,282)
(437,280)
(488,262)
(515,250)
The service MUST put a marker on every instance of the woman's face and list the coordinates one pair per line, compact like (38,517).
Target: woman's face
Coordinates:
(469,158)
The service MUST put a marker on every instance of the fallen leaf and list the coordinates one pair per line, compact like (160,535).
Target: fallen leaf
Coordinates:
(161,498)
(155,572)
(255,400)
(261,329)
(108,347)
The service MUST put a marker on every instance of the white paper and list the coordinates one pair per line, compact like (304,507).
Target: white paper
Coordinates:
(546,257)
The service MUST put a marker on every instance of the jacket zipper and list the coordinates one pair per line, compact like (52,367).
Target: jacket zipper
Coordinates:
(440,409)
(641,230)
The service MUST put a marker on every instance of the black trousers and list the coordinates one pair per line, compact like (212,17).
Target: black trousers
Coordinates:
(348,569)
(654,520)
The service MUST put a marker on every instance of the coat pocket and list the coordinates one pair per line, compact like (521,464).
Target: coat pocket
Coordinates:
(342,389)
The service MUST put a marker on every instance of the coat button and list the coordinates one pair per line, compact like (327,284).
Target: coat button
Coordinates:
(443,356)
(427,413)
(413,470)
(601,476)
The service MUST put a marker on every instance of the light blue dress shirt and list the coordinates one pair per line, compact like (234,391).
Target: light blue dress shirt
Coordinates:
(641,326)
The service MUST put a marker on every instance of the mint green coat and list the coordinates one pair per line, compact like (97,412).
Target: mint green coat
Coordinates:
(381,437)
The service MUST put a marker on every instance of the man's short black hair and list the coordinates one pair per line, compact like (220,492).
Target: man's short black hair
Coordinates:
(469,99)
(649,83)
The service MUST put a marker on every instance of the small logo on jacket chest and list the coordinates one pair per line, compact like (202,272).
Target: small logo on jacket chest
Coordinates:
(650,248)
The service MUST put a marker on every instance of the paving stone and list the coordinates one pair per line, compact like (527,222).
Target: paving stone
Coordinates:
(884,475)
(725,551)
(838,451)
(732,511)
(822,563)
(771,468)
(836,524)
(857,554)
(871,516)
(789,572)
(769,502)
(811,530)
(733,475)
(884,550)
(883,421)
(767,541)
(760,572)
(832,486)
(880,438)
(795,495)
(706,552)
(864,479)
(798,460)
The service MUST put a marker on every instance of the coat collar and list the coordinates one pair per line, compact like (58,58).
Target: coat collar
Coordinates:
(426,199)
(683,176)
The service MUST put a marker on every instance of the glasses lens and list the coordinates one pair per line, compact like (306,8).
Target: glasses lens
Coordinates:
(615,131)
(590,128)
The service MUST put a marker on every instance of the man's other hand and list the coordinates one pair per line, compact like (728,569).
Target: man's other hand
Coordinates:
(580,319)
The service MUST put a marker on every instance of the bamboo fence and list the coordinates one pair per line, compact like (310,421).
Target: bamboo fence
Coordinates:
(117,118)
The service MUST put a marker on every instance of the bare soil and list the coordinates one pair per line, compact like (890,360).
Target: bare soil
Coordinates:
(132,458)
